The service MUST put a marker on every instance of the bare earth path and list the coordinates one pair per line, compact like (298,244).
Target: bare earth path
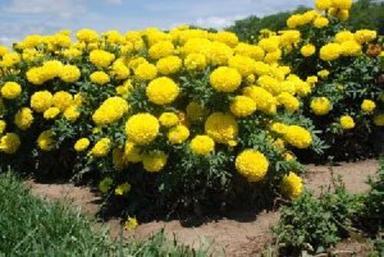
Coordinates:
(229,237)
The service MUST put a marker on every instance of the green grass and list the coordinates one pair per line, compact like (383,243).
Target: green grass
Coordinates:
(32,227)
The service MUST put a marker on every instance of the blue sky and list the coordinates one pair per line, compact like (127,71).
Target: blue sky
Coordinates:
(21,17)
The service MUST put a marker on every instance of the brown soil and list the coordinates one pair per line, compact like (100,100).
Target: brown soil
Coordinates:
(228,237)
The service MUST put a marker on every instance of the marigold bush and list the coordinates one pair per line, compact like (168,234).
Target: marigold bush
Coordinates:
(182,118)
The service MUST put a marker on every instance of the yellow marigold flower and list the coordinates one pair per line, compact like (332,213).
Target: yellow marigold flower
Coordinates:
(270,84)
(101,148)
(228,38)
(344,36)
(270,44)
(347,122)
(9,143)
(321,106)
(122,189)
(368,106)
(290,37)
(222,128)
(323,4)
(219,53)
(51,69)
(81,145)
(308,50)
(100,78)
(119,70)
(35,76)
(343,15)
(154,161)
(365,36)
(169,119)
(225,79)
(71,113)
(146,71)
(3,126)
(46,141)
(264,100)
(132,152)
(178,134)
(101,58)
(320,22)
(195,61)
(243,106)
(3,50)
(105,184)
(41,101)
(87,35)
(312,80)
(62,100)
(24,118)
(273,57)
(298,137)
(162,91)
(323,74)
(252,164)
(195,111)
(342,4)
(10,59)
(330,52)
(51,113)
(378,120)
(350,48)
(202,145)
(255,52)
(110,111)
(10,90)
(142,128)
(292,186)
(161,49)
(70,73)
(279,128)
(131,224)
(169,65)
(243,64)
(290,103)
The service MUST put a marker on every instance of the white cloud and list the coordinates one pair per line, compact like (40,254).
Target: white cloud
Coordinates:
(62,8)
(216,22)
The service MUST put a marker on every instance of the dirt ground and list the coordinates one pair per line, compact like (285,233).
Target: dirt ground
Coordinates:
(227,237)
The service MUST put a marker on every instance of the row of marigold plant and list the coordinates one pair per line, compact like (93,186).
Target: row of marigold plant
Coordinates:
(186,118)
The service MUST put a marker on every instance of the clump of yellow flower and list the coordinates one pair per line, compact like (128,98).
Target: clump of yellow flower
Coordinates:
(101,148)
(368,106)
(225,79)
(242,106)
(101,58)
(347,122)
(292,186)
(9,143)
(298,137)
(46,141)
(142,128)
(154,161)
(24,118)
(252,164)
(178,134)
(10,90)
(41,101)
(321,106)
(82,144)
(222,128)
(100,78)
(202,145)
(162,91)
(111,110)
